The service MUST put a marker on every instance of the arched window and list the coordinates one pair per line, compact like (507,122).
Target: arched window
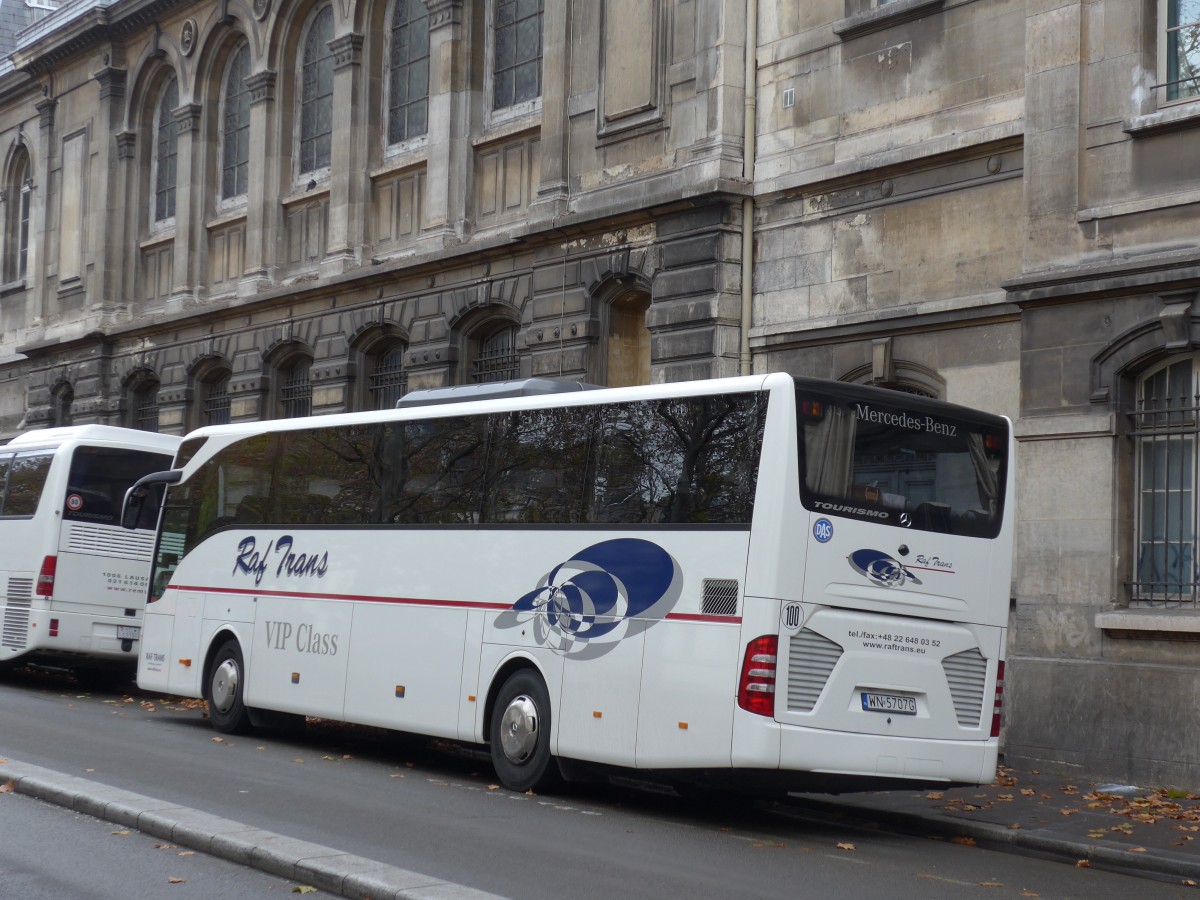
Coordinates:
(387,380)
(516,52)
(20,193)
(61,399)
(295,389)
(166,142)
(143,403)
(214,399)
(408,83)
(316,94)
(627,351)
(493,355)
(235,125)
(1165,432)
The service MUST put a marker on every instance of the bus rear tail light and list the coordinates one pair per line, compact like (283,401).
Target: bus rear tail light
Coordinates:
(999,699)
(45,579)
(756,687)
(54,628)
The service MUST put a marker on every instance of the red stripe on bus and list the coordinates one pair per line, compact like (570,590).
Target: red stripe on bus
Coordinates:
(417,601)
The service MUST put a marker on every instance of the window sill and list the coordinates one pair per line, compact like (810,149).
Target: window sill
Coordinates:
(894,13)
(1172,118)
(12,287)
(1151,624)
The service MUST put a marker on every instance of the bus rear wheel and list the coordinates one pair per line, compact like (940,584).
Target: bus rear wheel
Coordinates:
(223,689)
(519,734)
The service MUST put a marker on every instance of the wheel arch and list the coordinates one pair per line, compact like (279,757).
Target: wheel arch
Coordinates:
(219,637)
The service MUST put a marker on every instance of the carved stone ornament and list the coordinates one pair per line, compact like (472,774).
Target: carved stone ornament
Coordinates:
(187,37)
(261,8)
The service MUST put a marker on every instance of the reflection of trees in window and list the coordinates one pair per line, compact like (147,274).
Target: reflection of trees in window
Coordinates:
(328,476)
(440,469)
(26,478)
(686,460)
(1182,54)
(539,465)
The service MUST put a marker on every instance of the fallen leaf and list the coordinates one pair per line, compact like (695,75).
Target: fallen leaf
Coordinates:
(303,889)
(1137,849)
(963,840)
(846,845)
(490,787)
(164,846)
(1187,882)
(174,880)
(122,831)
(1015,826)
(1029,894)
(1083,864)
(936,795)
(218,740)
(1068,812)
(8,787)
(991,884)
(187,853)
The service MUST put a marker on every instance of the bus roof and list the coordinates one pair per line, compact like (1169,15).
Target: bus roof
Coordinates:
(109,434)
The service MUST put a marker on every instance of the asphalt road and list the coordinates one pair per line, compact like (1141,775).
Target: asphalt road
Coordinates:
(434,808)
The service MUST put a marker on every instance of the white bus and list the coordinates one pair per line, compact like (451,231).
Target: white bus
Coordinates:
(74,580)
(768,577)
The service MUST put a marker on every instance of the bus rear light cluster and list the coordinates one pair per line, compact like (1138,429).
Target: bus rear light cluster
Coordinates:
(45,579)
(756,687)
(999,699)
(54,628)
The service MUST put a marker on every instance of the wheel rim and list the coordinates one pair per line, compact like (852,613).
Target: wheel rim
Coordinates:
(225,685)
(519,729)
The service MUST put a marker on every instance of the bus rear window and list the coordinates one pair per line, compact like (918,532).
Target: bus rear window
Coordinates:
(99,478)
(906,462)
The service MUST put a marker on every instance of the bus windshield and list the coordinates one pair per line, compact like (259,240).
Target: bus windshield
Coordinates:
(99,478)
(892,458)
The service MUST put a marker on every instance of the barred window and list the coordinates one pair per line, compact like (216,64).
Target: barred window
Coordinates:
(1165,437)
(496,357)
(517,52)
(295,392)
(166,142)
(144,405)
(388,380)
(316,94)
(1179,49)
(216,401)
(235,125)
(408,85)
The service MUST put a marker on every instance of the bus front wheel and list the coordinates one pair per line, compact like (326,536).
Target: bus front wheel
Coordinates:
(519,734)
(223,689)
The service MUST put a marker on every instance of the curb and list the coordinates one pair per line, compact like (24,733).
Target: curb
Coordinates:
(1151,864)
(330,870)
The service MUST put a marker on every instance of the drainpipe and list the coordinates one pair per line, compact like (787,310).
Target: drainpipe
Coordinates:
(748,144)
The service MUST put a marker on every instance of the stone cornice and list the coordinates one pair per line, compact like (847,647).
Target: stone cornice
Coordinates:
(347,50)
(444,12)
(262,87)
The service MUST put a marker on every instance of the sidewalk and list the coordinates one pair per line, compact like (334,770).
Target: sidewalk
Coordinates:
(1140,831)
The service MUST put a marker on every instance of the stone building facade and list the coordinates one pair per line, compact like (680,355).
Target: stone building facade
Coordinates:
(242,209)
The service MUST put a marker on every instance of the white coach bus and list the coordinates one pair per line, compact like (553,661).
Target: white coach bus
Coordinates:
(74,580)
(757,578)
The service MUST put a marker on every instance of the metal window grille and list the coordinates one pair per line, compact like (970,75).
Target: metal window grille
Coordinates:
(145,408)
(296,392)
(216,403)
(1165,436)
(497,358)
(389,381)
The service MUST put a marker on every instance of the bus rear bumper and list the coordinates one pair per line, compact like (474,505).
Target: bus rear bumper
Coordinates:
(873,759)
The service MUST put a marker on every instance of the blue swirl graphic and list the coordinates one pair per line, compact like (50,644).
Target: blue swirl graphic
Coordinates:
(605,587)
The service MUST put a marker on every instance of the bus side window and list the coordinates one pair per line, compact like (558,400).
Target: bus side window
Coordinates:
(5,466)
(26,479)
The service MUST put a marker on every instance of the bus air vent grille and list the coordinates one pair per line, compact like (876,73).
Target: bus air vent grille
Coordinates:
(720,597)
(101,540)
(19,600)
(811,658)
(966,673)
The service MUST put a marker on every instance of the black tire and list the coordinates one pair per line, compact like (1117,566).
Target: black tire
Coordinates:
(519,734)
(224,689)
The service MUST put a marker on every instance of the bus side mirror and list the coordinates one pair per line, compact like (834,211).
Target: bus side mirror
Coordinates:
(143,492)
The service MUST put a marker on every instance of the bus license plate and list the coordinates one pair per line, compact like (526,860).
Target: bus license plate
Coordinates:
(128,632)
(889,703)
